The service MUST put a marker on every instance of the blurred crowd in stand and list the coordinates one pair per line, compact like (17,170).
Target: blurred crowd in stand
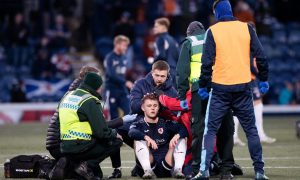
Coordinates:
(38,38)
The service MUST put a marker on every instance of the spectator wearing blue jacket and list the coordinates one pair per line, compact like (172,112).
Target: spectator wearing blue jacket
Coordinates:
(166,47)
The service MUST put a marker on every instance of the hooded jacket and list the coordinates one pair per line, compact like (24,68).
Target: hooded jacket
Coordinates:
(147,85)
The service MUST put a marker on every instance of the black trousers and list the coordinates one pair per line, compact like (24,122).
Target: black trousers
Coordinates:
(55,153)
(116,156)
(224,136)
(197,129)
(95,155)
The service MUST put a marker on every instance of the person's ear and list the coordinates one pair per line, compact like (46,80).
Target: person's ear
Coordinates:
(142,107)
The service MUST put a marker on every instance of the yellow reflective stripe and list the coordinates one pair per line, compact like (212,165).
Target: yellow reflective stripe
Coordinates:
(195,66)
(83,90)
(196,57)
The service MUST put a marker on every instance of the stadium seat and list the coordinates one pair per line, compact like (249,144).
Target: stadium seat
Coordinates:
(294,36)
(265,40)
(280,50)
(295,51)
(279,36)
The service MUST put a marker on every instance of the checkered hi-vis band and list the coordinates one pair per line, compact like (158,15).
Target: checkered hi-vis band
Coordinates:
(79,135)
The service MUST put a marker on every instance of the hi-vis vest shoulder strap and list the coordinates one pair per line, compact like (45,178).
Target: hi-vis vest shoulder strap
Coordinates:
(70,126)
(196,50)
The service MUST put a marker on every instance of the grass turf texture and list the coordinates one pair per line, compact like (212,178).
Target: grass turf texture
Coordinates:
(282,159)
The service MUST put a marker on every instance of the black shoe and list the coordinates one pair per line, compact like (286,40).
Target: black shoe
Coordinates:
(214,168)
(57,173)
(84,171)
(134,171)
(117,173)
(226,177)
(236,170)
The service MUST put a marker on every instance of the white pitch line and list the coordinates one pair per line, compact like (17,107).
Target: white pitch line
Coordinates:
(239,159)
(275,167)
(270,158)
(247,167)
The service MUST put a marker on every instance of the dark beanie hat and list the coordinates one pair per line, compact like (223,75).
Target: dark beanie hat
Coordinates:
(93,80)
(194,26)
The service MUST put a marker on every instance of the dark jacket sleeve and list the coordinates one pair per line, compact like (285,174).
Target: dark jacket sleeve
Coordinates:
(252,66)
(258,52)
(136,96)
(115,123)
(208,58)
(53,132)
(111,73)
(177,128)
(183,70)
(93,111)
(135,132)
(161,53)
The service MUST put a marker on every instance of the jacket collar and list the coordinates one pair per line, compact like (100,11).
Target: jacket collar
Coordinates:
(90,90)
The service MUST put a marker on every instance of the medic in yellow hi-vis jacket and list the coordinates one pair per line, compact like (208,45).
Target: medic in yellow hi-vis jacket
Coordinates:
(85,136)
(226,63)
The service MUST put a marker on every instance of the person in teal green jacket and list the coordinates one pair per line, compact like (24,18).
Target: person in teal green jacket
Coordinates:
(86,138)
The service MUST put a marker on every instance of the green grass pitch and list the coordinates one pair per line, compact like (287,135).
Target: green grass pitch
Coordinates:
(282,159)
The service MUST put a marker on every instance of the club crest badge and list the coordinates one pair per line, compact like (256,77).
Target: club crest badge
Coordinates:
(160,130)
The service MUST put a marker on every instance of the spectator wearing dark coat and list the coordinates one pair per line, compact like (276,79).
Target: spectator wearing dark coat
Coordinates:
(157,81)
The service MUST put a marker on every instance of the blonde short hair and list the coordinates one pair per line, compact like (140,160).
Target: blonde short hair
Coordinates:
(163,21)
(121,38)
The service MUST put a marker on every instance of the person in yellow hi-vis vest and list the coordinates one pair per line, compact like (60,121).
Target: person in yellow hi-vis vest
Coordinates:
(86,139)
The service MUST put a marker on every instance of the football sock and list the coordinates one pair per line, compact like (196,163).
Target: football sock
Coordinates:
(179,153)
(142,154)
(258,110)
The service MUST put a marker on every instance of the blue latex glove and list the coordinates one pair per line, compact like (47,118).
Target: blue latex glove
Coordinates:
(203,93)
(184,104)
(129,118)
(264,87)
